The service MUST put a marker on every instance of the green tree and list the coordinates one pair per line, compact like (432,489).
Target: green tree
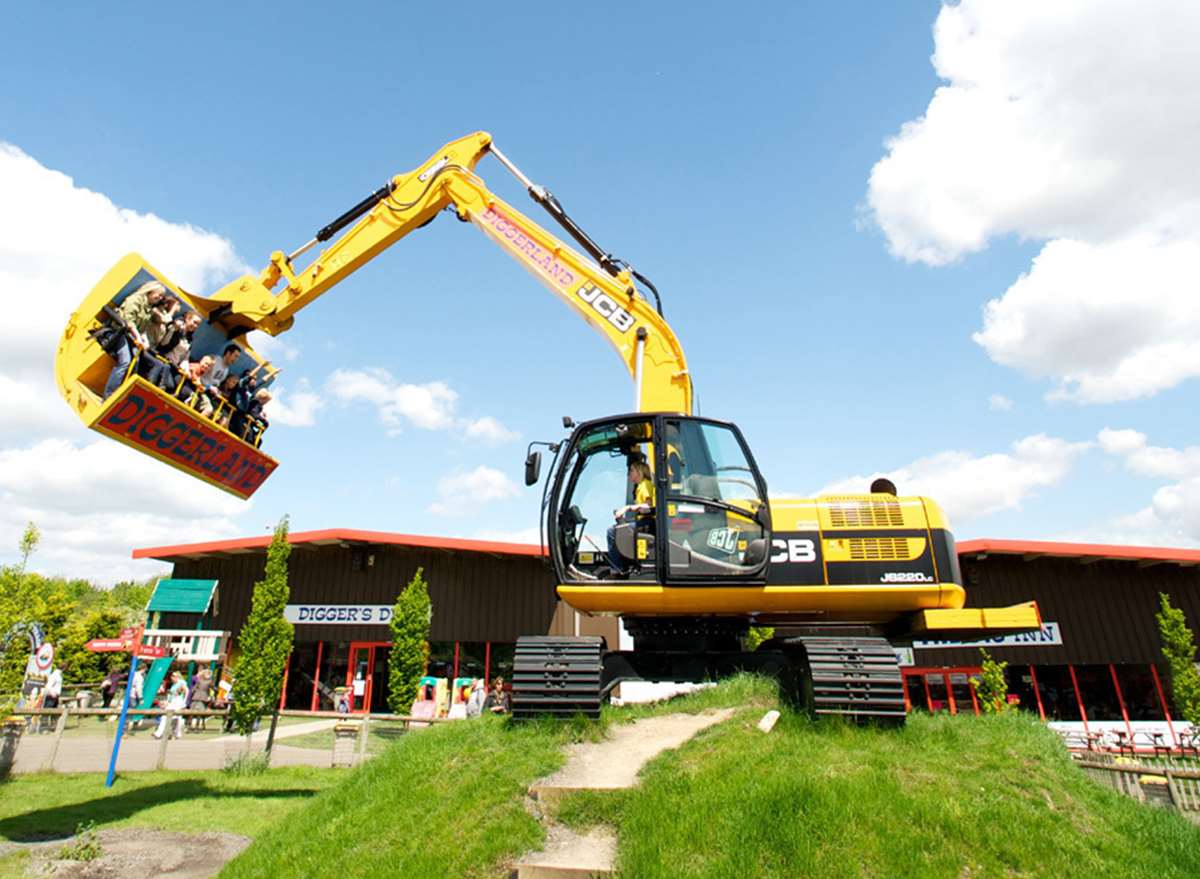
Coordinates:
(83,666)
(991,686)
(1179,649)
(265,639)
(19,603)
(411,618)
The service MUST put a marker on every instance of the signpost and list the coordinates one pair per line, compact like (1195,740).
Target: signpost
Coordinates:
(130,641)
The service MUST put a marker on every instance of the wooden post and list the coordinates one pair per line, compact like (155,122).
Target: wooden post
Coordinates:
(362,738)
(161,762)
(48,766)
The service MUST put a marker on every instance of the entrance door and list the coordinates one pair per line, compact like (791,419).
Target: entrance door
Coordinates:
(360,676)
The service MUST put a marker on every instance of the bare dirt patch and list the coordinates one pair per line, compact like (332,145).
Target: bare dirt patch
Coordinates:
(138,852)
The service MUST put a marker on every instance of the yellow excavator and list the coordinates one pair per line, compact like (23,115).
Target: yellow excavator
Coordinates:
(694,553)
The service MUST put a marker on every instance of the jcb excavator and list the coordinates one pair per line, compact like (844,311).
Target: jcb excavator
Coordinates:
(707,552)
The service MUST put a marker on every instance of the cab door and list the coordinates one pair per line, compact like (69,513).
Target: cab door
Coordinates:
(714,518)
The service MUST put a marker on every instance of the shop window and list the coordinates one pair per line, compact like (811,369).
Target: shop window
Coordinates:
(441,659)
(939,699)
(472,657)
(960,686)
(380,678)
(1138,692)
(1058,694)
(301,668)
(1098,693)
(1020,684)
(502,661)
(915,685)
(334,666)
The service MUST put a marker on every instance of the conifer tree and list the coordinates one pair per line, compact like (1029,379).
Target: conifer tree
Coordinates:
(265,640)
(1179,649)
(411,618)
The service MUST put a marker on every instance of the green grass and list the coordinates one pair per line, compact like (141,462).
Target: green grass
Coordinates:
(444,801)
(13,865)
(46,806)
(945,797)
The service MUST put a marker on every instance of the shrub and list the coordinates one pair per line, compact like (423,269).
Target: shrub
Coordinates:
(991,686)
(411,618)
(757,635)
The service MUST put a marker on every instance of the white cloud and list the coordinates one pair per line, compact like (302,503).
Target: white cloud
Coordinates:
(1000,403)
(1105,322)
(296,408)
(463,492)
(489,430)
(967,486)
(1173,515)
(93,500)
(56,241)
(1148,460)
(94,503)
(1054,124)
(429,406)
(272,347)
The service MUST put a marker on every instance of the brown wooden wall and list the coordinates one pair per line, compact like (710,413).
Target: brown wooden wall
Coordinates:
(1105,609)
(475,596)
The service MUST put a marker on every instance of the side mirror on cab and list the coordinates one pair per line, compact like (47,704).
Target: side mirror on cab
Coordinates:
(533,467)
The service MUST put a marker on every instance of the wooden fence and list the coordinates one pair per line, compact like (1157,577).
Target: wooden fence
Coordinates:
(1160,785)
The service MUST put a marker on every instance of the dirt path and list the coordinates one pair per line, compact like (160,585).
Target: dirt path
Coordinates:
(138,852)
(608,765)
(615,762)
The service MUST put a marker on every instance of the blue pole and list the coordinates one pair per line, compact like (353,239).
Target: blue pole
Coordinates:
(112,763)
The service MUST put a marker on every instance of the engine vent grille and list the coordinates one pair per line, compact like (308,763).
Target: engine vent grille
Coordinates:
(859,513)
(879,549)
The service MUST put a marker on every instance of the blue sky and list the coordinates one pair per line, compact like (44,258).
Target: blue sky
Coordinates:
(728,153)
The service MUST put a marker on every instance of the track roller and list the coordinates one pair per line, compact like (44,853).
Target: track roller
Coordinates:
(557,676)
(854,677)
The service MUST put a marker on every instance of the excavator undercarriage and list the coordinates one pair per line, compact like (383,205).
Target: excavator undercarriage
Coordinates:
(849,672)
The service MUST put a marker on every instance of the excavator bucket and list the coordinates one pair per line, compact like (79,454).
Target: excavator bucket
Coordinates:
(165,418)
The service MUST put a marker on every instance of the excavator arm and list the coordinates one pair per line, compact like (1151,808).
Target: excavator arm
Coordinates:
(105,369)
(600,289)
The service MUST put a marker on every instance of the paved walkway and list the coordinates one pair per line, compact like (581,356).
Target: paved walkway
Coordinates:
(284,731)
(140,752)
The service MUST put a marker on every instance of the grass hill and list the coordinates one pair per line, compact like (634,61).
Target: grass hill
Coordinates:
(944,797)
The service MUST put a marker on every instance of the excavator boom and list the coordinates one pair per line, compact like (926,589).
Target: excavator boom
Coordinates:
(598,288)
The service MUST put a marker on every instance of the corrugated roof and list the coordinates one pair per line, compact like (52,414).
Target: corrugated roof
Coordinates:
(332,537)
(1085,552)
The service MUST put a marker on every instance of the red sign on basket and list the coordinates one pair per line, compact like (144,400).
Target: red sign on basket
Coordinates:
(148,651)
(165,428)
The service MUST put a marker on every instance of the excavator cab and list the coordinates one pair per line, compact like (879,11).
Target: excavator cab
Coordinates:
(121,385)
(708,518)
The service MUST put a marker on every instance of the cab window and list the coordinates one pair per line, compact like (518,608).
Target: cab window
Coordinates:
(713,502)
(599,485)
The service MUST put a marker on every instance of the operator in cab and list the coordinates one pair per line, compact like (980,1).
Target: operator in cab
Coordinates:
(642,509)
